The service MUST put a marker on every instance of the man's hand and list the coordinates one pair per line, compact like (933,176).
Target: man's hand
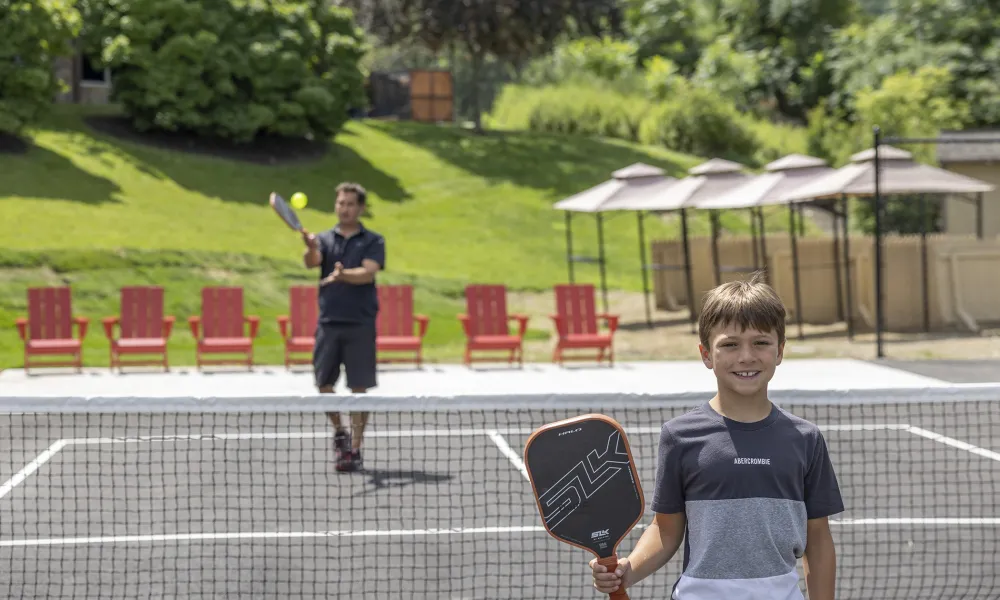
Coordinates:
(310,240)
(312,257)
(338,270)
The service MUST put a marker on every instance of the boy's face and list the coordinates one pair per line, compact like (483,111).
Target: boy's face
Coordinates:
(743,361)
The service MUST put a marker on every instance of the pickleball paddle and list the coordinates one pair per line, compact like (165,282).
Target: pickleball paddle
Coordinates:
(284,210)
(586,484)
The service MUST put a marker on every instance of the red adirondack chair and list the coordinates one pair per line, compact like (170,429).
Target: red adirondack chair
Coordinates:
(394,324)
(219,329)
(576,323)
(48,330)
(486,323)
(298,327)
(143,328)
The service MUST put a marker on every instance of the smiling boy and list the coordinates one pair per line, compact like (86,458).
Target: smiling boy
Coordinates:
(747,486)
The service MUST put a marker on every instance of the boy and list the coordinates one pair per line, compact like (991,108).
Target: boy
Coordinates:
(750,484)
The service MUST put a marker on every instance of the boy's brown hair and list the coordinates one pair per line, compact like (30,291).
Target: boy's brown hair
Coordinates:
(750,303)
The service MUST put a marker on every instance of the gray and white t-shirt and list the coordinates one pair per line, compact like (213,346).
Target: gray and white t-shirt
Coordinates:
(747,490)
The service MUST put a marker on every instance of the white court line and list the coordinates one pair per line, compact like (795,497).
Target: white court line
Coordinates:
(509,453)
(937,437)
(919,521)
(31,467)
(250,535)
(515,529)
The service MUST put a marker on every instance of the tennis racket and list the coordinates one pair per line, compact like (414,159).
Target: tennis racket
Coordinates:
(284,210)
(586,484)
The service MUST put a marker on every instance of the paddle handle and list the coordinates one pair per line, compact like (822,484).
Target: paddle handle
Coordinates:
(611,563)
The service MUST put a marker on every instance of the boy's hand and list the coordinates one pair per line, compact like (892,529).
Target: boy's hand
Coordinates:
(608,582)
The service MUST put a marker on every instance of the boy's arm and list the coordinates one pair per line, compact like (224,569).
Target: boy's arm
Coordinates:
(655,548)
(820,560)
(823,498)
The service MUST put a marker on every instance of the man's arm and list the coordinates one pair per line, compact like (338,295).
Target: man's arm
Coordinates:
(360,275)
(820,560)
(312,257)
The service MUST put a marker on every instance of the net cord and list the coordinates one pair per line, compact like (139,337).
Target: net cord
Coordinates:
(344,402)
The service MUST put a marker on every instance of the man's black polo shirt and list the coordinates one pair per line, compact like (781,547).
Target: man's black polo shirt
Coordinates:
(342,302)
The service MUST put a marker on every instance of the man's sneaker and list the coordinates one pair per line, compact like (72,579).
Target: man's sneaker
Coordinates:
(342,443)
(349,461)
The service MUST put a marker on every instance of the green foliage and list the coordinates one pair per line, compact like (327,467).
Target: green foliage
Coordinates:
(235,69)
(699,122)
(916,104)
(601,58)
(730,74)
(33,35)
(690,119)
(908,103)
(571,108)
(900,214)
(787,38)
(662,78)
(671,29)
(775,140)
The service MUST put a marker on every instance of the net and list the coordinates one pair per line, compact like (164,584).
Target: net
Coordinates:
(238,497)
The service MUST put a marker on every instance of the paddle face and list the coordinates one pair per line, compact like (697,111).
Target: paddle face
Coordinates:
(585,482)
(285,211)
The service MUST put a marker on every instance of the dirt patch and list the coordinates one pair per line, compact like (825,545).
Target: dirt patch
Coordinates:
(12,144)
(266,150)
(672,337)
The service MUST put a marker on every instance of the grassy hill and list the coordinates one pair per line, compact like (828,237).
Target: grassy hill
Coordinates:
(91,210)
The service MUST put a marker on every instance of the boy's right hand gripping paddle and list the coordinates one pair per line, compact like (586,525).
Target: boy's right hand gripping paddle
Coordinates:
(586,484)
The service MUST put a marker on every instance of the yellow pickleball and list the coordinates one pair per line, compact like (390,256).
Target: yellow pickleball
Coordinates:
(299,200)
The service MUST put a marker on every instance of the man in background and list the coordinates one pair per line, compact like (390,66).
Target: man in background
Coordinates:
(349,255)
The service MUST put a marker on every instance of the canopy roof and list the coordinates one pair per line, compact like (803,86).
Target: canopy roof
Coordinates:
(782,176)
(706,180)
(900,174)
(629,184)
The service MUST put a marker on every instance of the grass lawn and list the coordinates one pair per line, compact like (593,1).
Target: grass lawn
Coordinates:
(98,213)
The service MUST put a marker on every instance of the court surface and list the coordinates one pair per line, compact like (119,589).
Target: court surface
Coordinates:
(134,505)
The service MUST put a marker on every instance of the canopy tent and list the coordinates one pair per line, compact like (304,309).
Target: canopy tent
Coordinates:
(627,185)
(706,180)
(780,177)
(899,175)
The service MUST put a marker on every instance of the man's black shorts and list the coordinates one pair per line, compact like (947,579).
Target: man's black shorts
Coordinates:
(349,344)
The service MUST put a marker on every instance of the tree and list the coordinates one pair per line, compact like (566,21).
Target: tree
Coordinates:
(788,39)
(673,29)
(909,103)
(234,69)
(510,30)
(970,29)
(34,35)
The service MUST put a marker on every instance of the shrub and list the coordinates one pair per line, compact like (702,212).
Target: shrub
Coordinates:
(571,108)
(699,122)
(233,69)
